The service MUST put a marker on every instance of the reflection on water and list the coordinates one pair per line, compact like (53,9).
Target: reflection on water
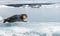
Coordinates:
(30,29)
(56,34)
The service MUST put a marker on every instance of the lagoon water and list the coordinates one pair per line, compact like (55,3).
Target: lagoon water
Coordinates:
(40,22)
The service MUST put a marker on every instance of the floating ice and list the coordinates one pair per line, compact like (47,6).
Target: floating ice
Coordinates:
(1,19)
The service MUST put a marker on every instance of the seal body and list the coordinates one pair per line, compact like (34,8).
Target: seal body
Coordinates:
(16,18)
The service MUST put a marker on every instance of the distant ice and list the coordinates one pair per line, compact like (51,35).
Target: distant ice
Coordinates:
(43,6)
(51,6)
(3,6)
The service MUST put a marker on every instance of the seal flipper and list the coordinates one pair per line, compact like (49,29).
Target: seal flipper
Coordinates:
(5,20)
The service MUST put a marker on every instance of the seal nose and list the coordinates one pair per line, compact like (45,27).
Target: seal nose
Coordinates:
(24,17)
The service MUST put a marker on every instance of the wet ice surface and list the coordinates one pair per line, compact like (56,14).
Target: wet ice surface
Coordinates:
(16,29)
(41,28)
(30,29)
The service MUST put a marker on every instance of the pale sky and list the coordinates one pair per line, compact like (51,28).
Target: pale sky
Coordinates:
(25,1)
(31,0)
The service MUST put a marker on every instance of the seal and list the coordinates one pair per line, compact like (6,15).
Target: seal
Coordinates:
(15,18)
